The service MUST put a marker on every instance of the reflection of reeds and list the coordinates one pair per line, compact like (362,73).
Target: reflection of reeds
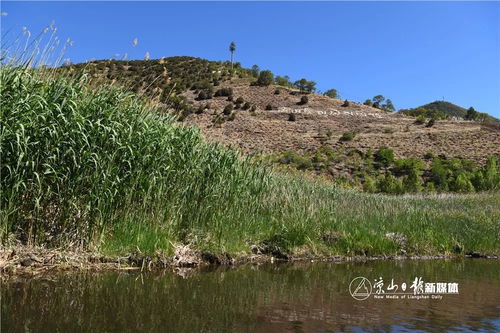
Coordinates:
(256,298)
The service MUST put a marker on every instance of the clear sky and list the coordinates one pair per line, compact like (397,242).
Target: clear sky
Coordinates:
(411,52)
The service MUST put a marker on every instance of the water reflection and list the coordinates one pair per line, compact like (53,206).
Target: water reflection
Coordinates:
(271,298)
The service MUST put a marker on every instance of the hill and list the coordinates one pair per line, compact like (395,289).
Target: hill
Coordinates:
(302,130)
(448,108)
(443,109)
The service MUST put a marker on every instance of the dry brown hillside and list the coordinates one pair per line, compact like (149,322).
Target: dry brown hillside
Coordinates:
(323,120)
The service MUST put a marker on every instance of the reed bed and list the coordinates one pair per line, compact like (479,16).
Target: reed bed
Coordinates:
(99,168)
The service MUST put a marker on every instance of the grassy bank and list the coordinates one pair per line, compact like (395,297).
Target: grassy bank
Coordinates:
(99,168)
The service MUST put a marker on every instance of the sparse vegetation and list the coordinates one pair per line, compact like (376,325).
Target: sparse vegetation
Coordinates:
(425,113)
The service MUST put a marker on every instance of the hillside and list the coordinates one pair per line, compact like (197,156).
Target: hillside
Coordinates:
(324,135)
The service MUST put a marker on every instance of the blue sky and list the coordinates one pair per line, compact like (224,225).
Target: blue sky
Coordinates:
(411,52)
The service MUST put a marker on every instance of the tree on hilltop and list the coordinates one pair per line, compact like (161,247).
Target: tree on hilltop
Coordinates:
(332,93)
(232,48)
(265,78)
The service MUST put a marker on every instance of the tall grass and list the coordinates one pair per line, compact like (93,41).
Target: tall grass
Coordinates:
(98,167)
(77,160)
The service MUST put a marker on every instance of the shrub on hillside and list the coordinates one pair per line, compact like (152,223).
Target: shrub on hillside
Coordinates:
(283,81)
(239,100)
(204,94)
(384,156)
(232,116)
(305,86)
(332,93)
(390,184)
(303,100)
(269,107)
(346,103)
(266,78)
(348,136)
(420,120)
(228,109)
(370,185)
(291,117)
(224,92)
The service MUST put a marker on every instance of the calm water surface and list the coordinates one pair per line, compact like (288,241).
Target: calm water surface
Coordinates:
(269,298)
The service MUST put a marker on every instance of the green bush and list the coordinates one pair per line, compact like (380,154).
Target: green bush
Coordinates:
(462,184)
(413,182)
(404,166)
(420,120)
(283,81)
(204,94)
(269,107)
(370,185)
(384,156)
(347,136)
(345,104)
(305,86)
(224,92)
(266,78)
(390,184)
(332,93)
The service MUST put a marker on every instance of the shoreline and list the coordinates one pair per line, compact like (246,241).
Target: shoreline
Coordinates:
(29,262)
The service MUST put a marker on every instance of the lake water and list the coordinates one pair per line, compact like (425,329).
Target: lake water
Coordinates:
(312,297)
